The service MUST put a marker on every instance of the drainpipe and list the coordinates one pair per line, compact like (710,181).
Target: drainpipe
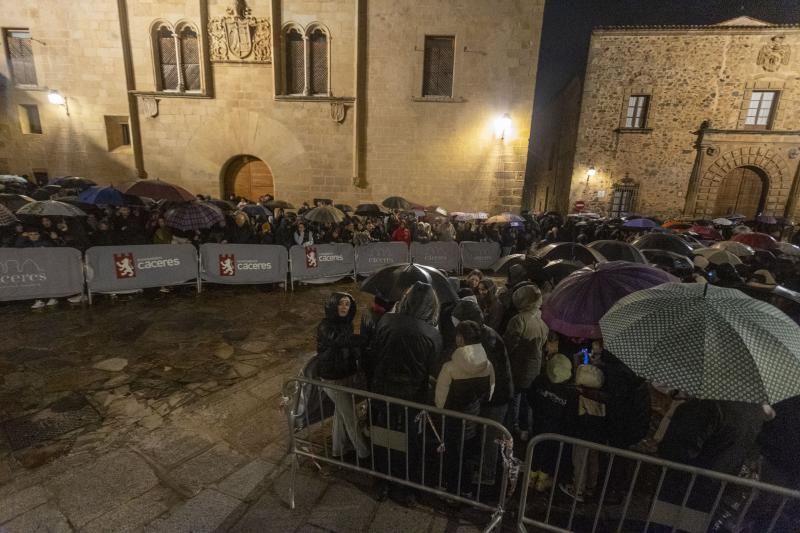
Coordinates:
(794,192)
(275,12)
(130,85)
(359,106)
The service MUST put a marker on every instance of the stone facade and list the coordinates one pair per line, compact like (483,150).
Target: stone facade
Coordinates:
(699,81)
(372,136)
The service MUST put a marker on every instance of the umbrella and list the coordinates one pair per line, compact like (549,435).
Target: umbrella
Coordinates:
(669,261)
(345,208)
(73,182)
(101,196)
(504,218)
(391,281)
(719,256)
(502,265)
(11,179)
(14,201)
(576,305)
(194,215)
(663,241)
(439,210)
(254,210)
(569,251)
(640,223)
(279,204)
(157,190)
(756,240)
(786,248)
(325,214)
(742,229)
(225,206)
(6,216)
(555,271)
(371,210)
(618,251)
(722,222)
(50,208)
(736,248)
(677,224)
(42,194)
(708,233)
(766,219)
(711,342)
(73,200)
(396,202)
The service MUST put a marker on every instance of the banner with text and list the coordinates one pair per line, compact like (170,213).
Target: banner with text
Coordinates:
(480,255)
(120,268)
(322,261)
(372,257)
(440,254)
(34,273)
(243,263)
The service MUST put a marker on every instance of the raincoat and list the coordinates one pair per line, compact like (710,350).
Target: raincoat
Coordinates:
(525,337)
(337,346)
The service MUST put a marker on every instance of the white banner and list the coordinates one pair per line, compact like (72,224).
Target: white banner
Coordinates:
(120,268)
(35,273)
(234,264)
(372,257)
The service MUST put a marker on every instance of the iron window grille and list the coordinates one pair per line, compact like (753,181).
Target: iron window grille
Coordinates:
(178,57)
(19,46)
(624,196)
(319,62)
(437,78)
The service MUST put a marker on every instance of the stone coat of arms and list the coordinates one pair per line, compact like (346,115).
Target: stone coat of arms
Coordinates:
(240,37)
(773,56)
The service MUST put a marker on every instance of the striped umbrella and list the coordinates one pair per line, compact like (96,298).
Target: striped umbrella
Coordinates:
(194,216)
(325,214)
(6,216)
(50,208)
(711,342)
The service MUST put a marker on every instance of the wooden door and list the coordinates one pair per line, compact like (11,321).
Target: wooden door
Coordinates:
(252,180)
(740,192)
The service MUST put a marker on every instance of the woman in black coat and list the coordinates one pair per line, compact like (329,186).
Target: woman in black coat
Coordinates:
(337,350)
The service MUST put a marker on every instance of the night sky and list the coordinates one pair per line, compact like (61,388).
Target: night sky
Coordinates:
(568,25)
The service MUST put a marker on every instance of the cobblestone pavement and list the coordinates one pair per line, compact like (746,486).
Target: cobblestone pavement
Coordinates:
(162,413)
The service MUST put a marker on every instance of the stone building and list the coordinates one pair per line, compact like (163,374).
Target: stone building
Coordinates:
(688,120)
(354,100)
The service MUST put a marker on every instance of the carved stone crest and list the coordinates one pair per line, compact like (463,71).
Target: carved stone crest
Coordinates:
(239,37)
(773,56)
(338,112)
(150,106)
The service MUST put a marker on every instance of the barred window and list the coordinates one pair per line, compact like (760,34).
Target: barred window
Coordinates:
(20,57)
(169,80)
(318,42)
(176,53)
(623,198)
(295,63)
(190,59)
(437,78)
(636,116)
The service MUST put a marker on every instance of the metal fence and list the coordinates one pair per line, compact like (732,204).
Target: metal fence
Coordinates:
(432,450)
(643,493)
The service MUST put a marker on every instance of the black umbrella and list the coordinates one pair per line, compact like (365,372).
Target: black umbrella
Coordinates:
(14,201)
(344,208)
(555,271)
(664,241)
(677,264)
(618,251)
(324,214)
(73,182)
(397,202)
(43,194)
(391,281)
(569,251)
(502,265)
(371,210)
(280,204)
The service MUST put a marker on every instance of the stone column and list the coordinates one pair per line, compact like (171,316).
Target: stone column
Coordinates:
(794,192)
(694,179)
(307,65)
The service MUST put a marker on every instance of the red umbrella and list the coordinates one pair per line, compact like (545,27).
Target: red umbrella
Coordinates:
(756,240)
(157,190)
(708,233)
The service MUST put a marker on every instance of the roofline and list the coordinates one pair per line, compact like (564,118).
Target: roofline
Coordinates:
(667,28)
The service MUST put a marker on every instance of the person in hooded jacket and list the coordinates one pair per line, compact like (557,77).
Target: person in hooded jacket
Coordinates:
(490,306)
(495,408)
(517,277)
(525,337)
(337,350)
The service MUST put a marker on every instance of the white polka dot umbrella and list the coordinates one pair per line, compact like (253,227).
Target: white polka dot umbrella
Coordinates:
(712,342)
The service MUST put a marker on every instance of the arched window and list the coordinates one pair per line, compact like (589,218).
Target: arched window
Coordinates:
(176,56)
(190,59)
(318,41)
(167,56)
(295,62)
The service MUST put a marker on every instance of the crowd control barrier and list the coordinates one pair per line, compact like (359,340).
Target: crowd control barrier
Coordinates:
(480,255)
(37,273)
(431,450)
(321,262)
(635,492)
(443,255)
(237,264)
(372,257)
(124,268)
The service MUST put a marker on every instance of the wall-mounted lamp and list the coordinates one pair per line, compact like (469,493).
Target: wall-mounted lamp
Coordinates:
(590,173)
(502,126)
(56,98)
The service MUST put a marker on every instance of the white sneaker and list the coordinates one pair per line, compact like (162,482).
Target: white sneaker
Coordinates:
(38,304)
(52,302)
(78,298)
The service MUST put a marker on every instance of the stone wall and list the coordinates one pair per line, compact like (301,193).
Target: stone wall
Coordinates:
(692,75)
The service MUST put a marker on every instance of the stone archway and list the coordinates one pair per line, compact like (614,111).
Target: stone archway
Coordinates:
(248,177)
(770,168)
(743,191)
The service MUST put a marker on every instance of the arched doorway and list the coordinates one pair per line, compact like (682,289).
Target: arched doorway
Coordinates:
(743,191)
(248,177)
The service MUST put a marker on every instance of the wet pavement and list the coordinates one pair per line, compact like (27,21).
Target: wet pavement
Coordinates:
(161,412)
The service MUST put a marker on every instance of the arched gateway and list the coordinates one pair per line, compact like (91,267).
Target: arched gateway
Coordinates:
(742,191)
(248,177)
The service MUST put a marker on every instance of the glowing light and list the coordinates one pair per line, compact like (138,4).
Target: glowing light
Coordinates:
(502,126)
(56,98)
(591,172)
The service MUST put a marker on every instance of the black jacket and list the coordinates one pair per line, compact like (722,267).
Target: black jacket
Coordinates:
(780,438)
(550,403)
(337,346)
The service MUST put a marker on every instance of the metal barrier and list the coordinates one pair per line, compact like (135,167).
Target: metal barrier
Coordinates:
(685,498)
(424,459)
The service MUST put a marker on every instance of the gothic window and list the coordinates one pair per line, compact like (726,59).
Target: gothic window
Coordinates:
(177,59)
(318,41)
(295,62)
(636,115)
(20,56)
(623,198)
(437,75)
(761,111)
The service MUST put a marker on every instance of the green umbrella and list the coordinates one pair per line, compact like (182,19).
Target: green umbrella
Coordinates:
(712,342)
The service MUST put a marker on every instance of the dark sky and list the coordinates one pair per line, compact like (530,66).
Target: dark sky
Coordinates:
(568,25)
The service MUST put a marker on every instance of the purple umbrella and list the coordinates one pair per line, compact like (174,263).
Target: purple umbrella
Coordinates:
(640,223)
(578,303)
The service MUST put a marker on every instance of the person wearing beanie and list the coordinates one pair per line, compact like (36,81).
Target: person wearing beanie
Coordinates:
(525,337)
(551,393)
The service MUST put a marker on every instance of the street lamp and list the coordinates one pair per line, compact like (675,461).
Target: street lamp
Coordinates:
(590,173)
(56,98)
(502,126)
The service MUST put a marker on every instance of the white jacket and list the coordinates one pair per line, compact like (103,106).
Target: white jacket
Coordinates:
(461,377)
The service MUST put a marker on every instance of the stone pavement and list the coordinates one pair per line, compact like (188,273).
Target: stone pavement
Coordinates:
(162,413)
